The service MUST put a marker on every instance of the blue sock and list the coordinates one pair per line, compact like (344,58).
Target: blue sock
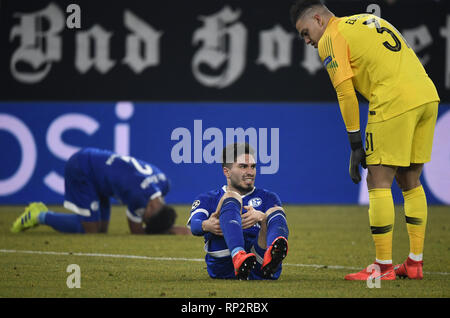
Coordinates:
(231,224)
(62,222)
(276,226)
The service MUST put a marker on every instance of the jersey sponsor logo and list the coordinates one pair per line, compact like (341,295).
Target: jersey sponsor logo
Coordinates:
(255,202)
(195,204)
(327,61)
(330,63)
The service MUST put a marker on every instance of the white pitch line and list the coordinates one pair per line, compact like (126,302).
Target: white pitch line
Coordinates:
(105,255)
(151,258)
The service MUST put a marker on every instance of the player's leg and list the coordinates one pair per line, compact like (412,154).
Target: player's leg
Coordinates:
(381,220)
(381,210)
(384,153)
(37,213)
(415,202)
(29,218)
(273,236)
(416,219)
(231,224)
(80,197)
(105,214)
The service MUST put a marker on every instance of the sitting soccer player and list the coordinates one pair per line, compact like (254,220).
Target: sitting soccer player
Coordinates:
(237,233)
(92,176)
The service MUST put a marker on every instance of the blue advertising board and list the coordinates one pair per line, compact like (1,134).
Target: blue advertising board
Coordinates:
(301,148)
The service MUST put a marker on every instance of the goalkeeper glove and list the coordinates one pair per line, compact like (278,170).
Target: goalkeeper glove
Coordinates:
(357,156)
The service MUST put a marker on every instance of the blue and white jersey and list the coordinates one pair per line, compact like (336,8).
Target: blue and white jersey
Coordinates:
(206,203)
(131,181)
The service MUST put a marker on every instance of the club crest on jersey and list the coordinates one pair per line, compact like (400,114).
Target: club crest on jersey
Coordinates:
(195,204)
(255,202)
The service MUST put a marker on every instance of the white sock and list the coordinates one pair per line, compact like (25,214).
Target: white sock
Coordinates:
(415,257)
(384,262)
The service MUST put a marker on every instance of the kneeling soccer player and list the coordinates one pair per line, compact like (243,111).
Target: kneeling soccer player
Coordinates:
(91,177)
(237,234)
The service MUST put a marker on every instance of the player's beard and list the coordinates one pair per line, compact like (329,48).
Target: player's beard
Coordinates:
(242,187)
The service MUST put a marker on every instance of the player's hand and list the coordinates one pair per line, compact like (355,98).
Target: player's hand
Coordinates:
(212,224)
(357,156)
(251,217)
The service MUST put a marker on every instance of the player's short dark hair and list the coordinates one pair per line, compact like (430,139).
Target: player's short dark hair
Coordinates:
(233,151)
(301,6)
(162,221)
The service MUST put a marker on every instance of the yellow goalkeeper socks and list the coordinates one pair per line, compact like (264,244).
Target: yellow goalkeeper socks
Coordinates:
(416,220)
(381,218)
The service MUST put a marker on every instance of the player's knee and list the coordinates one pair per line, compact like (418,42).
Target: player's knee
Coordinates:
(409,177)
(274,209)
(233,195)
(406,185)
(375,181)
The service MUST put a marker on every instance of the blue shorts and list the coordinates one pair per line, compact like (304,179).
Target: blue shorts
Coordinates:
(222,267)
(81,195)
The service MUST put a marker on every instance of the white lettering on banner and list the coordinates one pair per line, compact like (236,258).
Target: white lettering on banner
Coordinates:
(84,58)
(56,145)
(142,47)
(275,48)
(37,49)
(419,38)
(124,111)
(224,42)
(220,43)
(437,171)
(27,164)
(445,33)
(311,60)
(62,150)
(212,152)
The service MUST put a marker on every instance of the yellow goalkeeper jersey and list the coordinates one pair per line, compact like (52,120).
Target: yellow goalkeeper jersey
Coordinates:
(383,68)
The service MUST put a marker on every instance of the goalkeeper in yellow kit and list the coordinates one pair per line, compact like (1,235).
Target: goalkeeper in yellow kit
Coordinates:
(366,53)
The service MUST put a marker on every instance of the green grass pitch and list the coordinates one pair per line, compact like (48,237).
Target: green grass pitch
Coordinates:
(325,243)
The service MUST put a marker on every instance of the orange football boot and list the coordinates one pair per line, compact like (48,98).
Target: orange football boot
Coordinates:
(410,268)
(375,270)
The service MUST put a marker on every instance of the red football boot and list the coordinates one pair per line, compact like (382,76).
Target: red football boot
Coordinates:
(375,270)
(243,263)
(410,268)
(273,256)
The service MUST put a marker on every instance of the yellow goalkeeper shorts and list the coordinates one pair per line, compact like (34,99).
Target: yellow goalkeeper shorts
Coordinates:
(404,139)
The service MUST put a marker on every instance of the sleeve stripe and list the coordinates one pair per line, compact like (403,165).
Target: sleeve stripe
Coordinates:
(155,195)
(197,211)
(133,218)
(74,208)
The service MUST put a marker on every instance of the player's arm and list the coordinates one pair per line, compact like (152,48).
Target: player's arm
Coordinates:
(153,206)
(200,223)
(136,224)
(349,106)
(212,224)
(201,220)
(348,103)
(336,49)
(252,216)
(135,227)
